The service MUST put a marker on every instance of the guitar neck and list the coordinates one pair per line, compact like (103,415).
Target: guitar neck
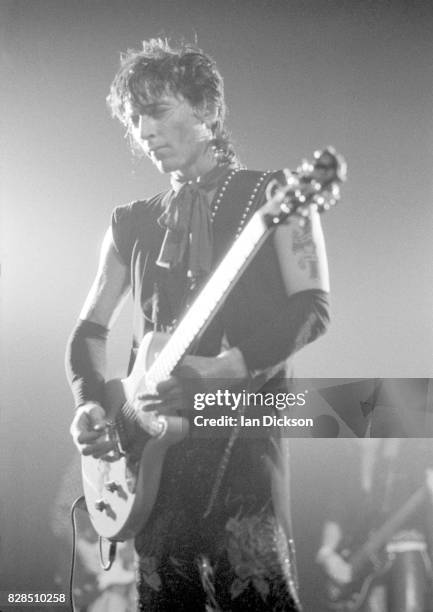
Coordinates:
(210,299)
(312,185)
(382,536)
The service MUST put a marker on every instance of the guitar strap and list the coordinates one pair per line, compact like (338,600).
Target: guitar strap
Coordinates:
(240,199)
(232,207)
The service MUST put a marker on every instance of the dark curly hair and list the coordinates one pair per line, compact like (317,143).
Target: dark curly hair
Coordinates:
(145,75)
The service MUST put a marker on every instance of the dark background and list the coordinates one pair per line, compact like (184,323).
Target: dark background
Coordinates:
(299,75)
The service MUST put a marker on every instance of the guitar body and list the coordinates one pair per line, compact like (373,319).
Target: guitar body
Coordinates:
(121,489)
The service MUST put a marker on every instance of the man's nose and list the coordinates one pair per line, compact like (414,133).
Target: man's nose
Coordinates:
(147,127)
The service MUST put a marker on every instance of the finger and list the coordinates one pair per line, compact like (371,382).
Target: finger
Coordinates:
(169,386)
(173,406)
(187,368)
(172,398)
(146,400)
(87,424)
(150,403)
(91,436)
(98,450)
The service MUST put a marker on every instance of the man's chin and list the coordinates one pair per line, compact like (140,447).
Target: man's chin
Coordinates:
(165,167)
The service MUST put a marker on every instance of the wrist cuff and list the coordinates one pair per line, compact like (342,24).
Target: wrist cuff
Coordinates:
(85,362)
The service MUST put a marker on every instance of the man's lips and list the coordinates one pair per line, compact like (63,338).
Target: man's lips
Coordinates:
(157,150)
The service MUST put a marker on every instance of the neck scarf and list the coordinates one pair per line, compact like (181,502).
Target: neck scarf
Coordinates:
(187,220)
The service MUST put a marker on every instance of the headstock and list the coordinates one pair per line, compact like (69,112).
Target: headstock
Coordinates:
(313,186)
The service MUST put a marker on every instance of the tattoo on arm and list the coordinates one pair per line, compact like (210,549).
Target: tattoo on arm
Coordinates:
(305,250)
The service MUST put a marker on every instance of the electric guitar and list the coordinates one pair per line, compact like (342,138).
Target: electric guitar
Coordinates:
(365,563)
(121,488)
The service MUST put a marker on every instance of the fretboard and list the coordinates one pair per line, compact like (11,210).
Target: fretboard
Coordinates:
(210,299)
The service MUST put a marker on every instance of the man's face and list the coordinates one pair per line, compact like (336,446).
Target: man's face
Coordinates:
(169,132)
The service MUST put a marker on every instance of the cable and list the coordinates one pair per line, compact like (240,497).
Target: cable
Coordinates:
(111,554)
(78,501)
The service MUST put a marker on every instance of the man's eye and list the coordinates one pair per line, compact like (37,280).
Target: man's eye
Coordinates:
(158,112)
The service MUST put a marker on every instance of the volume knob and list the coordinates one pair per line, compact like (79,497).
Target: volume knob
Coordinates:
(112,486)
(100,505)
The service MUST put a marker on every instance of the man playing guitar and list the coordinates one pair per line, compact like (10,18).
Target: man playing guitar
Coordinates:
(377,541)
(213,540)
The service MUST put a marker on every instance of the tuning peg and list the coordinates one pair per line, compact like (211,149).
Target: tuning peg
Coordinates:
(306,167)
(342,170)
(335,191)
(339,163)
(300,196)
